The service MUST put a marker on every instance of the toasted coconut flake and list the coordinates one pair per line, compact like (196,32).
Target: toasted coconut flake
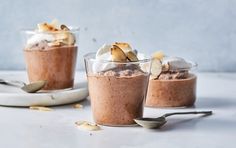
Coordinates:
(124,46)
(40,108)
(64,27)
(132,56)
(158,55)
(156,68)
(71,39)
(118,54)
(44,27)
(84,125)
(55,23)
(78,106)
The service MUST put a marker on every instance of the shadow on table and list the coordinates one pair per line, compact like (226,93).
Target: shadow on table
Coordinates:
(181,124)
(214,103)
(84,103)
(201,122)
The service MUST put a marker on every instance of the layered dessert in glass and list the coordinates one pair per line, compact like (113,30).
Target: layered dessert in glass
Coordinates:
(117,80)
(172,82)
(50,54)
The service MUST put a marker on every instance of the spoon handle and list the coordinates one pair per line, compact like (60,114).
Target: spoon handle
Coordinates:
(183,113)
(12,82)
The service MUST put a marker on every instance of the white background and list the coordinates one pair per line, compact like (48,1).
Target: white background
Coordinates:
(199,30)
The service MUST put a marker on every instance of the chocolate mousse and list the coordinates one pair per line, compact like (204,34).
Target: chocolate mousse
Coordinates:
(117,89)
(118,95)
(174,86)
(50,54)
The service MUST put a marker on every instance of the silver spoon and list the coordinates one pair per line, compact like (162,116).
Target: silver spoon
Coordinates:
(30,88)
(160,121)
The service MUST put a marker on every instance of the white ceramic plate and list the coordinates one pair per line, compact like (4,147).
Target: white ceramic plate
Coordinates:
(13,96)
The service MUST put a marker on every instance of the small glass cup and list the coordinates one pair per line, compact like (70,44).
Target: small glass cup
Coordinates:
(117,90)
(173,92)
(55,63)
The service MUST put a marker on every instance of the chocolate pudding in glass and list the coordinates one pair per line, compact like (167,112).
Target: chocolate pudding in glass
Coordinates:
(117,81)
(50,54)
(174,85)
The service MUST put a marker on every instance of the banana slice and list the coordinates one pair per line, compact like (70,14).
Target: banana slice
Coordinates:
(131,56)
(158,55)
(124,46)
(156,68)
(118,54)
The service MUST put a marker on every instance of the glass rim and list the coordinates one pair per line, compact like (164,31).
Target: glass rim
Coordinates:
(35,31)
(91,57)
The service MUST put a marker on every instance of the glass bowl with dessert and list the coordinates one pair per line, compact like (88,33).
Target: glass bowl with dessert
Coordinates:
(172,82)
(117,80)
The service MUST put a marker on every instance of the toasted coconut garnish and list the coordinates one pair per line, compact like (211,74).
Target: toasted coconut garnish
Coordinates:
(78,106)
(156,68)
(118,54)
(87,126)
(158,55)
(132,56)
(124,46)
(40,108)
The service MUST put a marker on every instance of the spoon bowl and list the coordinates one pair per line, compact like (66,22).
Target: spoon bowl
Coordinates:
(34,86)
(160,121)
(151,122)
(29,88)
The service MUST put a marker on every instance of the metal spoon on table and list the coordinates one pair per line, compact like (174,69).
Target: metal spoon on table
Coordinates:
(30,88)
(160,121)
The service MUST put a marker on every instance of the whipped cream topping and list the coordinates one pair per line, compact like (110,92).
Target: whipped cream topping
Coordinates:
(177,63)
(51,35)
(103,53)
(37,38)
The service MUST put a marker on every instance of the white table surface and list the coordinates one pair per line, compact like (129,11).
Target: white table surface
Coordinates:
(24,128)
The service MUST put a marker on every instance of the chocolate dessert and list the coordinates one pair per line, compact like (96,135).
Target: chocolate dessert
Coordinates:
(173,86)
(50,54)
(117,89)
(117,96)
